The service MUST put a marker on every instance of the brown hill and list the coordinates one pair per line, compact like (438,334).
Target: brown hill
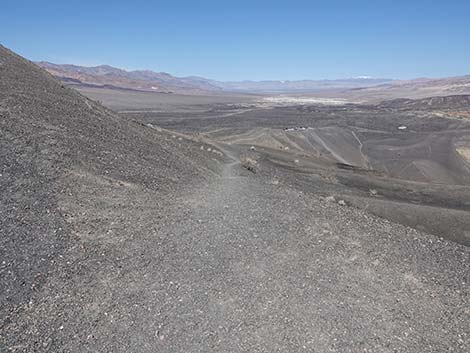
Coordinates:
(143,80)
(456,102)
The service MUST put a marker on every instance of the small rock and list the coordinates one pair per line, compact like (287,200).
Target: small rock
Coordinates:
(342,203)
(330,199)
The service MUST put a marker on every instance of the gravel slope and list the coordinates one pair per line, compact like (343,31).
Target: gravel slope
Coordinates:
(48,135)
(120,238)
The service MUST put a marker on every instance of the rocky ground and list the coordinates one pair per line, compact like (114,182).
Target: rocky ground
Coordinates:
(410,166)
(119,236)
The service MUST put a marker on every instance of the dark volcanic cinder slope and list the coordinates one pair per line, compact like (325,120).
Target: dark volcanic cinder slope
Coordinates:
(117,237)
(59,153)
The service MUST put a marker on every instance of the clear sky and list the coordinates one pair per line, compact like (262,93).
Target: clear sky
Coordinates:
(247,39)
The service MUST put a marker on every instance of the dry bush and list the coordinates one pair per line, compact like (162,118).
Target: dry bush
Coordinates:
(249,163)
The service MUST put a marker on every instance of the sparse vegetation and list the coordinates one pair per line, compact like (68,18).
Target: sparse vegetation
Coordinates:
(249,163)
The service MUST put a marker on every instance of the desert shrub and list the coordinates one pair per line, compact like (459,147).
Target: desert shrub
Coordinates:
(249,163)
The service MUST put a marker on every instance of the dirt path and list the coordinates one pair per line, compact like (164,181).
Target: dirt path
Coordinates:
(366,160)
(241,265)
(259,276)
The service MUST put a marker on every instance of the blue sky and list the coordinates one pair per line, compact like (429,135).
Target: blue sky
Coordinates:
(236,40)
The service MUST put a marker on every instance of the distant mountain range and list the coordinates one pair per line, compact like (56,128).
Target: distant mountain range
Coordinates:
(412,89)
(361,88)
(456,102)
(301,85)
(147,80)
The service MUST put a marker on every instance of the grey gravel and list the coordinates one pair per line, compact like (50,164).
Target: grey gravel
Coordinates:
(118,238)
